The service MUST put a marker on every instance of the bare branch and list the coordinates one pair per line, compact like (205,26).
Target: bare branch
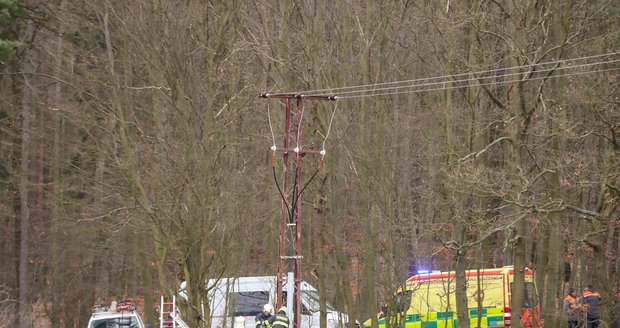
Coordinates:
(582,210)
(483,150)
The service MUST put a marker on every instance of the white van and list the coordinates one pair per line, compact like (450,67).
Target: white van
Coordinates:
(247,295)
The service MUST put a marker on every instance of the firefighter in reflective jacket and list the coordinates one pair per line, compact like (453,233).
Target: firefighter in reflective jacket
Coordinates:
(262,319)
(280,320)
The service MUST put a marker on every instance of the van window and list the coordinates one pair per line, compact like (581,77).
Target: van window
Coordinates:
(124,322)
(248,303)
(310,302)
(311,298)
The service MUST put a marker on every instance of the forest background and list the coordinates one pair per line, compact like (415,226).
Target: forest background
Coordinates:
(135,149)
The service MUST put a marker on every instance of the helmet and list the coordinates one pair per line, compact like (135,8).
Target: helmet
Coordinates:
(282,309)
(267,308)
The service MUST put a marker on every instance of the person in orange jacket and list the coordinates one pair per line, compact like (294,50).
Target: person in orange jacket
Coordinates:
(592,300)
(572,309)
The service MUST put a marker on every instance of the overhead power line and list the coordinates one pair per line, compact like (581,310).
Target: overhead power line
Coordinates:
(461,83)
(461,80)
(386,93)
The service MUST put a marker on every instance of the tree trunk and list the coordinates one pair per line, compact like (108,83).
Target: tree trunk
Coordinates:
(609,200)
(520,223)
(517,134)
(24,184)
(57,263)
(461,283)
(550,307)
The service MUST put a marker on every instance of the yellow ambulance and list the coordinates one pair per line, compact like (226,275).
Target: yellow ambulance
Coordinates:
(427,300)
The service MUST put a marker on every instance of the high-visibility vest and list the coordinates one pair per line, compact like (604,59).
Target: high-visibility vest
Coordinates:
(281,321)
(261,321)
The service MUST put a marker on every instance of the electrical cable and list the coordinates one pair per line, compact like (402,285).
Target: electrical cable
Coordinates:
(297,197)
(329,128)
(479,84)
(374,85)
(297,150)
(294,197)
(301,118)
(476,79)
(275,178)
(309,180)
(273,161)
(273,137)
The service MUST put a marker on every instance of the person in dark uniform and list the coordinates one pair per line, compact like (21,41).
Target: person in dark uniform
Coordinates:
(593,301)
(280,320)
(262,319)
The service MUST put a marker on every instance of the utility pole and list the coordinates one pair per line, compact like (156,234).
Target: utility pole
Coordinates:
(290,211)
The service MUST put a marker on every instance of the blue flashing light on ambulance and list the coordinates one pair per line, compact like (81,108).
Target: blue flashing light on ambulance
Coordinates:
(427,300)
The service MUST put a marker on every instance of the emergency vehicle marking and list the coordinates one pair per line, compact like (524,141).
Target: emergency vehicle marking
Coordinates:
(491,317)
(424,293)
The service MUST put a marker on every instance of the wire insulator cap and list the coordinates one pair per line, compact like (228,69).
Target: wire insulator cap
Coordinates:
(273,148)
(322,152)
(296,149)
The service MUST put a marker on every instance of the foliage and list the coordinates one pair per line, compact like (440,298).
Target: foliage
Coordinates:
(150,154)
(9,11)
(7,49)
